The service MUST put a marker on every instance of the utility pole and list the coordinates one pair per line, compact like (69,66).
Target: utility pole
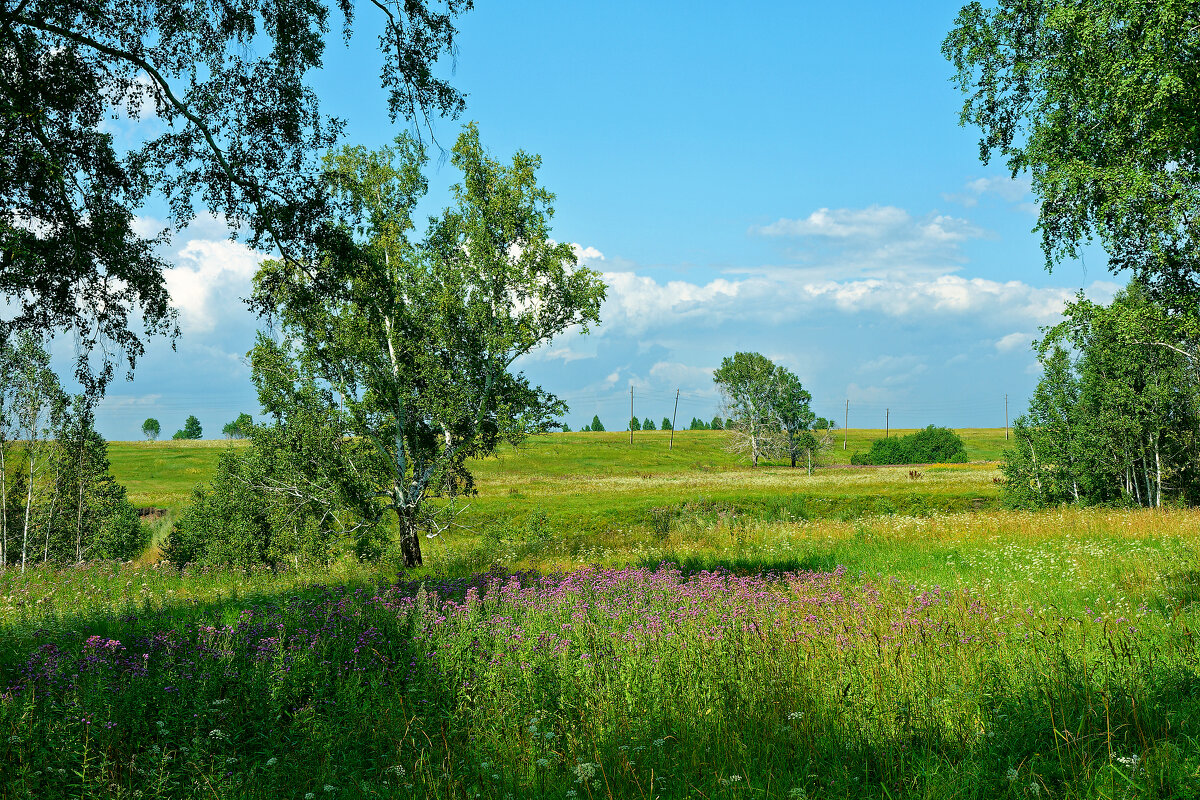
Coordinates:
(847,425)
(1006,416)
(631,414)
(887,423)
(673,413)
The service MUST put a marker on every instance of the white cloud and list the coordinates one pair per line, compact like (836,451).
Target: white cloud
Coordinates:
(842,223)
(877,241)
(208,281)
(676,373)
(1012,190)
(586,254)
(638,303)
(1015,341)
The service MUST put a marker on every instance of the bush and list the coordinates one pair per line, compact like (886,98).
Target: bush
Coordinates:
(931,445)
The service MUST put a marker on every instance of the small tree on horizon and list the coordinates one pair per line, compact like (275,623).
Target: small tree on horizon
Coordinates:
(634,425)
(597,425)
(238,428)
(191,429)
(648,424)
(717,424)
(151,429)
(666,424)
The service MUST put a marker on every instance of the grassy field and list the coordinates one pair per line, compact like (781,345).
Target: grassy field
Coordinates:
(631,623)
(162,474)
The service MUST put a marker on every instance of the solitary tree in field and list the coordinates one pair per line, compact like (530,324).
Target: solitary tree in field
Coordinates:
(597,425)
(151,429)
(415,340)
(747,382)
(666,424)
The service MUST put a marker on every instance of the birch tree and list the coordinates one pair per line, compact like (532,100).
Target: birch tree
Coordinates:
(749,391)
(416,340)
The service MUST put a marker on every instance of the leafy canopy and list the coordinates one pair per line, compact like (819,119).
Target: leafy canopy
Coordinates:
(415,339)
(1099,100)
(191,429)
(225,120)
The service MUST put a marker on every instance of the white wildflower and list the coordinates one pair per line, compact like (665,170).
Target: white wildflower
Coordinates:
(272,761)
(1130,762)
(1011,774)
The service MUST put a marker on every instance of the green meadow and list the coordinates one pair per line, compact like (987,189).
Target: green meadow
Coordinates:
(617,621)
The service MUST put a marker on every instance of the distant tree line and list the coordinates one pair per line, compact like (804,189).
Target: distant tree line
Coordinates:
(58,501)
(647,424)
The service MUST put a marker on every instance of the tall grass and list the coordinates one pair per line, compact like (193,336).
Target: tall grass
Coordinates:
(973,655)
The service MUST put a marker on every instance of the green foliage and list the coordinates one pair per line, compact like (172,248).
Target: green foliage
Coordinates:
(415,340)
(230,122)
(634,425)
(666,424)
(931,445)
(288,682)
(768,410)
(1114,416)
(1097,100)
(648,424)
(151,429)
(597,425)
(58,501)
(747,384)
(296,496)
(566,428)
(698,425)
(717,424)
(191,429)
(239,428)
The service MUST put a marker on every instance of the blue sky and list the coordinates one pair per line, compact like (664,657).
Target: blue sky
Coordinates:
(785,178)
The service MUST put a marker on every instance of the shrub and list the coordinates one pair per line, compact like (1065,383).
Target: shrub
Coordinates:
(931,445)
